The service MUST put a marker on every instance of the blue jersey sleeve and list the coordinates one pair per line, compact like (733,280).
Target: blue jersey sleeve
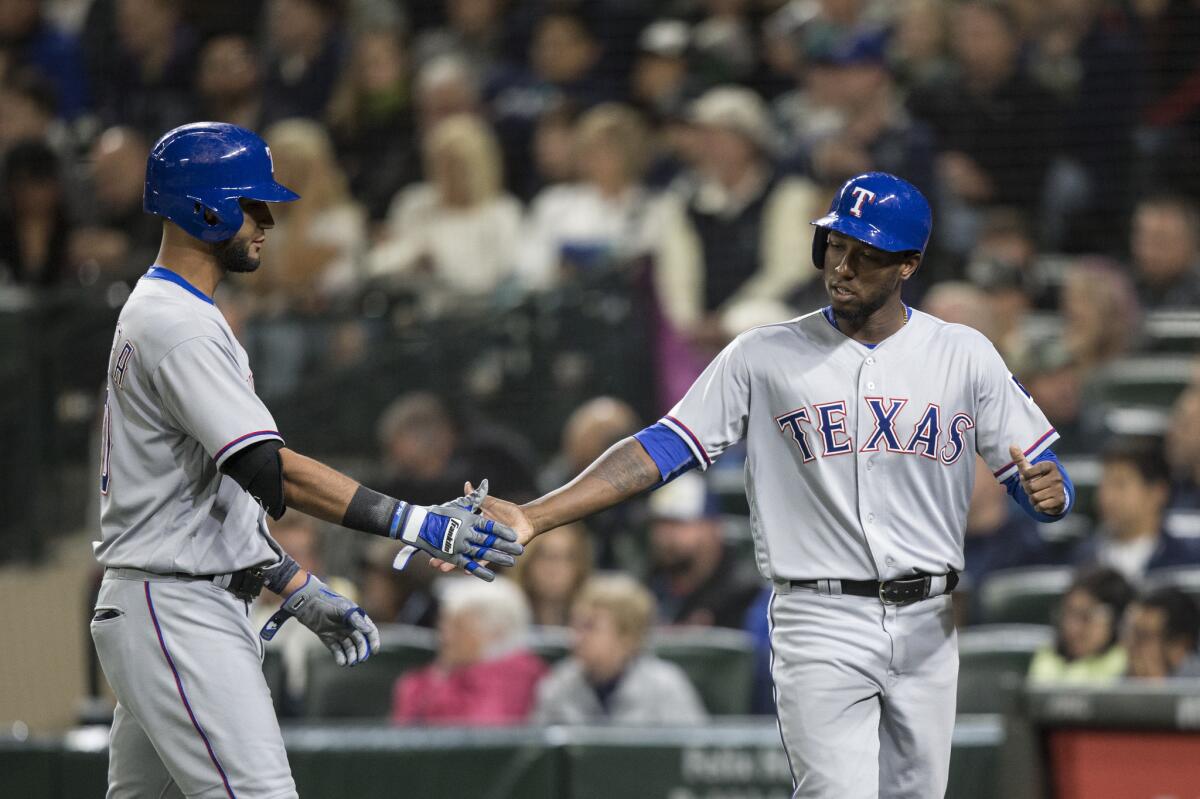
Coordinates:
(669,452)
(1013,484)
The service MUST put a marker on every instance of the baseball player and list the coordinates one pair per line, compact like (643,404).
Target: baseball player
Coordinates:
(861,422)
(192,463)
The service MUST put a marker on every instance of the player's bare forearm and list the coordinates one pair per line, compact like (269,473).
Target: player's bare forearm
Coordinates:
(624,471)
(313,488)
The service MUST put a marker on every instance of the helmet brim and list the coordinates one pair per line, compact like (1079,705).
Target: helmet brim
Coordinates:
(270,193)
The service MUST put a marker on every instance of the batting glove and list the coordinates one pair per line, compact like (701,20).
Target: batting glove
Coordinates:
(455,532)
(340,624)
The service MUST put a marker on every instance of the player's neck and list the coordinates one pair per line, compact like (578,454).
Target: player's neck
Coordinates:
(884,322)
(193,265)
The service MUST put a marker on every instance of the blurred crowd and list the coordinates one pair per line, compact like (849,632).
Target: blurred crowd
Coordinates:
(459,158)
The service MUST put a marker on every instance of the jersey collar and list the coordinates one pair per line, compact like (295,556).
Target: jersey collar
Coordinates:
(827,312)
(162,273)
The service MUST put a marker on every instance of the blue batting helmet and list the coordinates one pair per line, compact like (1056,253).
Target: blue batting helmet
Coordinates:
(877,209)
(209,166)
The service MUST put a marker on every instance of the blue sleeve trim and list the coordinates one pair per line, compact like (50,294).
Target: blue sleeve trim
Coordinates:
(1013,485)
(670,453)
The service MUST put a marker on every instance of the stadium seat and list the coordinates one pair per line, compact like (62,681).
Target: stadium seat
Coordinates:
(1024,596)
(1185,578)
(365,691)
(1085,476)
(1175,330)
(1148,380)
(549,643)
(719,662)
(993,662)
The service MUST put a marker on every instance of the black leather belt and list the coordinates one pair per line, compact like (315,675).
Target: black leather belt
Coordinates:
(244,584)
(903,591)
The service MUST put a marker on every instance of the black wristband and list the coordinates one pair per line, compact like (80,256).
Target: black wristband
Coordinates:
(279,575)
(370,512)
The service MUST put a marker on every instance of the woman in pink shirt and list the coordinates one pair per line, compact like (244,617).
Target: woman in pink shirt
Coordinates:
(484,674)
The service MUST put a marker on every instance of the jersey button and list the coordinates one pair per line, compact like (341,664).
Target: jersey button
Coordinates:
(870,361)
(890,561)
(870,385)
(870,517)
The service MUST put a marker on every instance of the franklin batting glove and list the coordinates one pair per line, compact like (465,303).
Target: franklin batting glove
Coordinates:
(455,532)
(340,624)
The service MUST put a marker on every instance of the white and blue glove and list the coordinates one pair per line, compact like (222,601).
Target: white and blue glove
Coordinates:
(341,625)
(455,532)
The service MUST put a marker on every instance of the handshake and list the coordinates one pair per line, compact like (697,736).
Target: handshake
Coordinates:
(456,534)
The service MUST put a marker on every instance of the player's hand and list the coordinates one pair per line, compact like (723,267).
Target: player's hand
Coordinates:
(457,536)
(341,625)
(502,511)
(1042,482)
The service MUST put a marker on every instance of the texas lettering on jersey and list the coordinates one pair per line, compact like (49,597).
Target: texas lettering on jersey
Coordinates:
(827,421)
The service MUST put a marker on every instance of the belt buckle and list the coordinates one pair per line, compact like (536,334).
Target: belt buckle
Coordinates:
(917,583)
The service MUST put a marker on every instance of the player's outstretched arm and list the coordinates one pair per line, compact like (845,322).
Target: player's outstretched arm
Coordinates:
(455,532)
(624,471)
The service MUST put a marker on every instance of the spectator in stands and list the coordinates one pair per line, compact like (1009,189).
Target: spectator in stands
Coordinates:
(1182,441)
(27,109)
(1100,314)
(1132,497)
(997,537)
(371,119)
(484,674)
(551,574)
(731,249)
(321,238)
(29,40)
(608,677)
(660,82)
(1165,245)
(553,151)
(147,80)
(444,87)
(696,578)
(1083,53)
(592,428)
(455,235)
(117,238)
(1160,633)
(397,597)
(962,303)
(229,81)
(1086,650)
(1050,375)
(426,453)
(605,221)
(474,29)
(307,54)
(982,162)
(919,44)
(34,226)
(299,536)
(866,126)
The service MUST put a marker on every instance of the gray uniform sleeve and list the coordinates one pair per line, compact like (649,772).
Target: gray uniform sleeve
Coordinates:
(1006,415)
(210,399)
(712,415)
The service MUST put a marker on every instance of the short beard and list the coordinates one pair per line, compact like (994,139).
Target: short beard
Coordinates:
(234,256)
(857,317)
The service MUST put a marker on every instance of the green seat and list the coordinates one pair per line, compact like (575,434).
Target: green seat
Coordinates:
(1024,596)
(1148,380)
(993,662)
(551,644)
(719,662)
(365,691)
(1172,331)
(1185,578)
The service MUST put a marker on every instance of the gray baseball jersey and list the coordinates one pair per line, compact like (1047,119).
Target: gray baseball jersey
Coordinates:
(860,459)
(180,401)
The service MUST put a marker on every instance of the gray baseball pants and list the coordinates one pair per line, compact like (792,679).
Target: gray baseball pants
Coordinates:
(865,693)
(194,716)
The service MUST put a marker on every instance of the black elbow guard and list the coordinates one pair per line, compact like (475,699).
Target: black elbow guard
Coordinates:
(259,470)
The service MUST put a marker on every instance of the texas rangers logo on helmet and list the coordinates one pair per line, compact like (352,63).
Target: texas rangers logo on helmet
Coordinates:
(860,195)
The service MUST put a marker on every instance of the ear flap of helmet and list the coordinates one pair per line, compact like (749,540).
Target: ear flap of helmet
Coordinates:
(228,218)
(820,240)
